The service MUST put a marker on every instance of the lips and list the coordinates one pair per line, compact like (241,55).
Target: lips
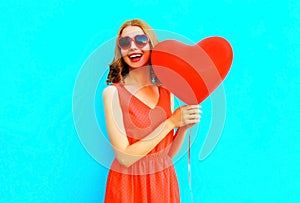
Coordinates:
(135,57)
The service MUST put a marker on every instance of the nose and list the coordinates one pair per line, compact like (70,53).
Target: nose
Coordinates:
(132,45)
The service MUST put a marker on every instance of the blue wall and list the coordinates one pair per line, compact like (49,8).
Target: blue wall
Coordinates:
(43,50)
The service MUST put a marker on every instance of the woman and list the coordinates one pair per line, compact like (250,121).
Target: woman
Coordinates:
(140,123)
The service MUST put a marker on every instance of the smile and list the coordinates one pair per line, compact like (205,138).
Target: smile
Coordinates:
(135,57)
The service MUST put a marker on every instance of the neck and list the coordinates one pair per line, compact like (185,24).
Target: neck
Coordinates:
(139,76)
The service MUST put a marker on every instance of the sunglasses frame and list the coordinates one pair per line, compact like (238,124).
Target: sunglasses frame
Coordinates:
(134,40)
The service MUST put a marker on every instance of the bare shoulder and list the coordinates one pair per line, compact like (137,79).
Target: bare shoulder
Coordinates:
(109,91)
(111,99)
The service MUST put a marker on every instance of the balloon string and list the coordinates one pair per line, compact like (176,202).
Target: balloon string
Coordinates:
(189,166)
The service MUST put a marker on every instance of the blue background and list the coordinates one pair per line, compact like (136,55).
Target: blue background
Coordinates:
(43,46)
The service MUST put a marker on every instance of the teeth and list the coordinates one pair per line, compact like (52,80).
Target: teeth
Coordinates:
(135,55)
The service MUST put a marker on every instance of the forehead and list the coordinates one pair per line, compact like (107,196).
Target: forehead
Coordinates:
(132,31)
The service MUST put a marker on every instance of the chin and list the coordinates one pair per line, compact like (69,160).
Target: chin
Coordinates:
(139,65)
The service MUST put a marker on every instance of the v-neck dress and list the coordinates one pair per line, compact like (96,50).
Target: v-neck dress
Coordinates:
(152,179)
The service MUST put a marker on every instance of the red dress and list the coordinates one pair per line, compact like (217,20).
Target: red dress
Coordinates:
(152,179)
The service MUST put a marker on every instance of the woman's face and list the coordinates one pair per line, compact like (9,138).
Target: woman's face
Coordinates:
(135,56)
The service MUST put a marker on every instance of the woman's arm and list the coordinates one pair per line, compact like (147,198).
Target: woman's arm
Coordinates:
(128,154)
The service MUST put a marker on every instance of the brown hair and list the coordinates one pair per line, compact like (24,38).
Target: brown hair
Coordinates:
(118,68)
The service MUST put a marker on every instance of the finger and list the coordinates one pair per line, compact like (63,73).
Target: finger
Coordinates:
(194,111)
(192,107)
(193,121)
(189,107)
(193,117)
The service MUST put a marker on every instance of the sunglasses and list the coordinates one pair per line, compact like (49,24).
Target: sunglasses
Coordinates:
(139,40)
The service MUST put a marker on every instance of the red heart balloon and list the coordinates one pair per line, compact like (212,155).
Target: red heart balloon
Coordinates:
(192,73)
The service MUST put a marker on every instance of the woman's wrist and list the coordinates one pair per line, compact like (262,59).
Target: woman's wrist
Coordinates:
(170,124)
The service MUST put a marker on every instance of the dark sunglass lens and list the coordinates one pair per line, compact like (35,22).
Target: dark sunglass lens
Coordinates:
(141,40)
(124,42)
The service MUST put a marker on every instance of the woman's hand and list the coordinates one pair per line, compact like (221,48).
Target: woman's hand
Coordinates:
(186,116)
